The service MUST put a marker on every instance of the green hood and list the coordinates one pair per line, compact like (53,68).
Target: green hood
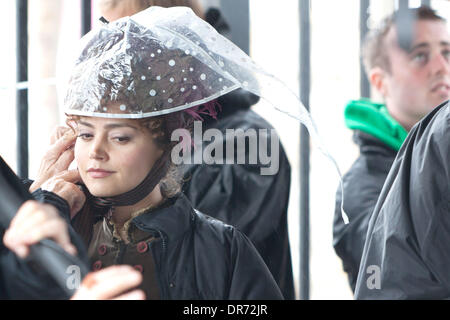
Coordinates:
(374,119)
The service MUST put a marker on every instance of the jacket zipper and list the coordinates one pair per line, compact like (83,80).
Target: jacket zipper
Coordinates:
(161,270)
(122,249)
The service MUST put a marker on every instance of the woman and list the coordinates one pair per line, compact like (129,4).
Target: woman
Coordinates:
(130,90)
(215,189)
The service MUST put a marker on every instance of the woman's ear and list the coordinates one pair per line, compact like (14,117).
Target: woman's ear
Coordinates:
(378,79)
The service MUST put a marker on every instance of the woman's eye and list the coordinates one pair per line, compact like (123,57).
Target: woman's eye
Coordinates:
(122,139)
(85,136)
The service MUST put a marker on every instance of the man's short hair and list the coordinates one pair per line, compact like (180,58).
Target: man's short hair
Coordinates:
(373,48)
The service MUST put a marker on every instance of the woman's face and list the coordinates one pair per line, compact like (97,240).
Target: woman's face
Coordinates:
(113,155)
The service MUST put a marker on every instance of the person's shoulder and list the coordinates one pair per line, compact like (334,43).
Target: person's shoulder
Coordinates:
(436,123)
(430,136)
(367,168)
(363,183)
(207,224)
(440,123)
(374,160)
(216,231)
(257,120)
(245,119)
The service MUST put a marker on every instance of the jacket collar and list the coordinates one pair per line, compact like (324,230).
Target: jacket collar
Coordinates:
(368,143)
(375,120)
(173,220)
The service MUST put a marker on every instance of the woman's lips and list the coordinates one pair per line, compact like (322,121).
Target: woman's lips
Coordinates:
(99,173)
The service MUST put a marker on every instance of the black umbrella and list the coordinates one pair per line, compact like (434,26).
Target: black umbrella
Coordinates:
(46,254)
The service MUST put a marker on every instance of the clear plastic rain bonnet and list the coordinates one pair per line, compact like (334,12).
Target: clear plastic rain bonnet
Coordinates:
(159,61)
(163,60)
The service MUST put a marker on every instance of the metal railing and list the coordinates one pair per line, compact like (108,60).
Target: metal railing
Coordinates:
(22,95)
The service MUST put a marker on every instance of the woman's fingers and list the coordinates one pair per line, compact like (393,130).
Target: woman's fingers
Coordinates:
(72,176)
(64,160)
(64,186)
(71,192)
(57,133)
(60,145)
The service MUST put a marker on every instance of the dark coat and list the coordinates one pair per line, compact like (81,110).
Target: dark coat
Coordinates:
(202,258)
(406,254)
(240,196)
(362,186)
(198,257)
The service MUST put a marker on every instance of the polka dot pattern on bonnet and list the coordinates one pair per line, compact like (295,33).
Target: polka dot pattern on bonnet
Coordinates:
(151,69)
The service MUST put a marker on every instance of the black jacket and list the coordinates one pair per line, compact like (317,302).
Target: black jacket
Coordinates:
(362,186)
(196,256)
(406,254)
(202,258)
(239,195)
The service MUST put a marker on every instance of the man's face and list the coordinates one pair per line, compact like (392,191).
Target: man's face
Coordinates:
(419,79)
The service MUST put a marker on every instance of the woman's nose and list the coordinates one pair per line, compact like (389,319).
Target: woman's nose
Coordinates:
(96,152)
(93,154)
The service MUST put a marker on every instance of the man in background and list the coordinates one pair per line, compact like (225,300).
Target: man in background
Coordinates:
(413,79)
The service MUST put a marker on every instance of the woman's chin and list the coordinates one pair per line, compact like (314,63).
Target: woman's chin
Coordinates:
(102,192)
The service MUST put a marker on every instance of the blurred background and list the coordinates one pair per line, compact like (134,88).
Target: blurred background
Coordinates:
(270,32)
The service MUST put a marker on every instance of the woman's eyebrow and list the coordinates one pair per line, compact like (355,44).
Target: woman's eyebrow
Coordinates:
(119,125)
(86,124)
(109,125)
